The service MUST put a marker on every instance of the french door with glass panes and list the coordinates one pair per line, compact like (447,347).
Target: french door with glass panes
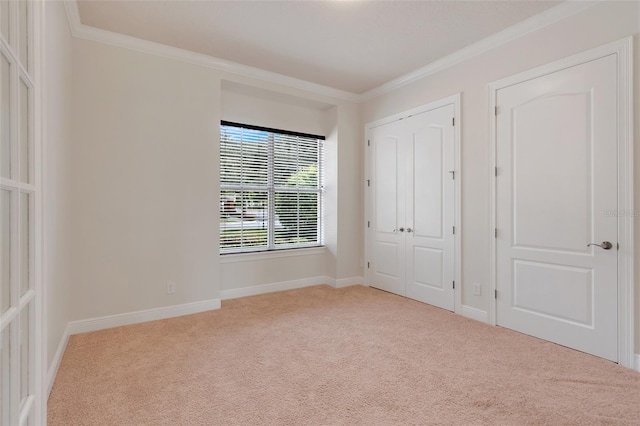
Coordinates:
(19,301)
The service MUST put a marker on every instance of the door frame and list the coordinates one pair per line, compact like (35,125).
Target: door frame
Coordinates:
(623,49)
(449,100)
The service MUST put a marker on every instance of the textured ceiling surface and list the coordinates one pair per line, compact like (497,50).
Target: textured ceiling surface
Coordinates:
(349,45)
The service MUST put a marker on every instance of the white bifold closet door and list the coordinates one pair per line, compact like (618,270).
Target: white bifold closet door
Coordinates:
(412,207)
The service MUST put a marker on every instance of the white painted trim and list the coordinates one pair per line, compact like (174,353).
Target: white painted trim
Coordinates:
(55,362)
(541,20)
(454,100)
(79,30)
(491,228)
(637,362)
(457,185)
(273,254)
(347,282)
(623,49)
(273,287)
(110,321)
(536,22)
(40,343)
(474,313)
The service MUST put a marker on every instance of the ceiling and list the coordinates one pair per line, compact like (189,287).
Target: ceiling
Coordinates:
(353,46)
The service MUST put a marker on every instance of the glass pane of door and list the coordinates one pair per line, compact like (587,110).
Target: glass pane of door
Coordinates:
(5,117)
(5,250)
(5,19)
(23,30)
(5,373)
(25,226)
(25,336)
(24,132)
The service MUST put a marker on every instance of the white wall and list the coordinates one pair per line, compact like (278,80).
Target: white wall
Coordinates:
(145,179)
(144,170)
(57,177)
(598,25)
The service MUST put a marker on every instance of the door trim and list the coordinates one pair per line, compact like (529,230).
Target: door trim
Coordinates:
(449,100)
(623,50)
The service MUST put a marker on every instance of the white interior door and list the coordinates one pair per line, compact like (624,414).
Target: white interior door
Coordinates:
(412,209)
(430,204)
(556,180)
(387,188)
(20,303)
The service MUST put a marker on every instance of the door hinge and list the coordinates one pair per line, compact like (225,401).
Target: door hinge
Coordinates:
(453,121)
(495,294)
(368,182)
(495,110)
(368,265)
(454,285)
(495,233)
(617,246)
(368,224)
(368,142)
(454,230)
(453,174)
(495,171)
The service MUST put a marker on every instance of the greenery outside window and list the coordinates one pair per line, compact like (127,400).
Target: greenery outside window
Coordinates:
(270,189)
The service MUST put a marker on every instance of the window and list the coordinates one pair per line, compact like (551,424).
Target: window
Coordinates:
(270,189)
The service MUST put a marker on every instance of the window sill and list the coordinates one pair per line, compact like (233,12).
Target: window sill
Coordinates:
(273,254)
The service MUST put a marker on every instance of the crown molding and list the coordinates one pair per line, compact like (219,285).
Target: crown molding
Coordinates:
(536,22)
(79,30)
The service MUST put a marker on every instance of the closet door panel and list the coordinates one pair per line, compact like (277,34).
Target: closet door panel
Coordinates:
(430,189)
(387,266)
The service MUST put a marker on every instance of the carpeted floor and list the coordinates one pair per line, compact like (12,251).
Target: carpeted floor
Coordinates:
(325,356)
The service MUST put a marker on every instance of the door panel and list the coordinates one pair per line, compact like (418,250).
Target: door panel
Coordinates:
(543,288)
(545,136)
(386,183)
(428,267)
(428,165)
(430,211)
(388,204)
(557,175)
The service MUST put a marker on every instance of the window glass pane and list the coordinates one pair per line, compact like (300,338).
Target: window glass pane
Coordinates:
(24,243)
(5,373)
(25,334)
(296,218)
(5,250)
(24,131)
(244,220)
(296,161)
(23,29)
(244,156)
(5,117)
(5,20)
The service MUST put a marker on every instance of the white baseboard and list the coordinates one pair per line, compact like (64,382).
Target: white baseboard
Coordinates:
(57,359)
(637,363)
(474,313)
(270,288)
(94,324)
(290,285)
(346,282)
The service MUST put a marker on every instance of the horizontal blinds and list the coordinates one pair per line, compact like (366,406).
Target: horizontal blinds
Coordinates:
(271,189)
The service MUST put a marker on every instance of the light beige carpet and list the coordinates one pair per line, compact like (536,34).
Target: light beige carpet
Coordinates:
(324,356)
